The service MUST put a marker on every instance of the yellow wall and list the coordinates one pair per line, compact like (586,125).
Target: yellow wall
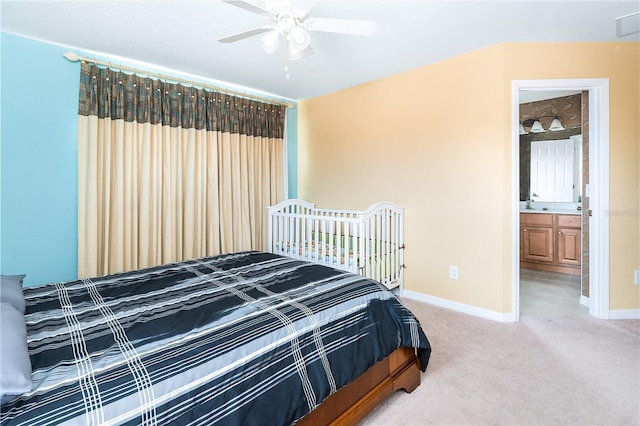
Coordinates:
(437,140)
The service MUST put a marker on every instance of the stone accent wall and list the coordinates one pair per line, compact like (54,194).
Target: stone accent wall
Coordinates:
(567,108)
(585,199)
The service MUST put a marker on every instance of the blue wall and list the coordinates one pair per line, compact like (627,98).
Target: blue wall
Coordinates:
(39,199)
(38,160)
(292,151)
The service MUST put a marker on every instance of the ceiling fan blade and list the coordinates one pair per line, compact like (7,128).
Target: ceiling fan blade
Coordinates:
(303,7)
(248,6)
(343,26)
(245,34)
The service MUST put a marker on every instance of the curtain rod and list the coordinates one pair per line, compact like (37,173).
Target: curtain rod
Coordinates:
(74,57)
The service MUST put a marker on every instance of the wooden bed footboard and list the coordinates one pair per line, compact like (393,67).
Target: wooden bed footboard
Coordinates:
(353,402)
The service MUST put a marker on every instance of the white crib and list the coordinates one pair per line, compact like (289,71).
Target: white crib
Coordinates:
(368,242)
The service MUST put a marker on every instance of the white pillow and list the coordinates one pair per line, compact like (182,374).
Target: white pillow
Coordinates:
(11,291)
(15,365)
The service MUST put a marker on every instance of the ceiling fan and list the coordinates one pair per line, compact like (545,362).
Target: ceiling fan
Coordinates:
(290,21)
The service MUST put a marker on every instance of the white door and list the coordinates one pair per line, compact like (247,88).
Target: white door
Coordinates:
(552,170)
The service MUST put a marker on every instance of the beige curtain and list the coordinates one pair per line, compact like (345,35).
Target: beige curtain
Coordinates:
(168,172)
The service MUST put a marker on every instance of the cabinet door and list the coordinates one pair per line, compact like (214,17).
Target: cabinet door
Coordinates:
(537,244)
(569,252)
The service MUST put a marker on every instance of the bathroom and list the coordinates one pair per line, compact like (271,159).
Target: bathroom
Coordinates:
(553,172)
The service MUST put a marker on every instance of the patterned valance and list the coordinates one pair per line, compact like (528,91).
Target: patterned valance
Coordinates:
(108,93)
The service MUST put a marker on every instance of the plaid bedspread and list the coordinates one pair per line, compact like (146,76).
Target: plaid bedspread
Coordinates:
(245,338)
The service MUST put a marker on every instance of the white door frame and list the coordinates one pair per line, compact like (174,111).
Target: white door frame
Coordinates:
(598,190)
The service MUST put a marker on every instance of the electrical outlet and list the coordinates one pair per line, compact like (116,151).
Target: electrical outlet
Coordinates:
(453,272)
(637,277)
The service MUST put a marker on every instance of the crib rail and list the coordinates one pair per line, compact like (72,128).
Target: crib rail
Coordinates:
(368,242)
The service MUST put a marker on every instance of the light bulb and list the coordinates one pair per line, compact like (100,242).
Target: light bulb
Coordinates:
(299,38)
(522,130)
(269,41)
(537,127)
(294,53)
(556,125)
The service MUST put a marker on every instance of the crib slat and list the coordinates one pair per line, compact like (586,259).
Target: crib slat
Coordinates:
(368,242)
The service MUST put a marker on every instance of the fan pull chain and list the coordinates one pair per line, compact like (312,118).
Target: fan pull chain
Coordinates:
(286,55)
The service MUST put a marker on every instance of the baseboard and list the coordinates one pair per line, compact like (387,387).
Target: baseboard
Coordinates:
(498,316)
(616,313)
(459,307)
(624,314)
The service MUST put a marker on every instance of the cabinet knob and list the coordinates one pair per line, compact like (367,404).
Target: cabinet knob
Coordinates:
(569,221)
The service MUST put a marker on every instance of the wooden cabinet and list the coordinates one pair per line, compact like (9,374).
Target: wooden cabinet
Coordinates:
(536,237)
(550,242)
(568,232)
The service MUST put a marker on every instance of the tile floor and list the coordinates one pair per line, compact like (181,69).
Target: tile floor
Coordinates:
(545,293)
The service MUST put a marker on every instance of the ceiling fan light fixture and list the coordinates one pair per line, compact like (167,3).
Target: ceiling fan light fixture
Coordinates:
(556,125)
(269,42)
(294,53)
(293,24)
(299,38)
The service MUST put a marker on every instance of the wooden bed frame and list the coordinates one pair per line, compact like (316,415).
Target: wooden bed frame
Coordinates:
(354,401)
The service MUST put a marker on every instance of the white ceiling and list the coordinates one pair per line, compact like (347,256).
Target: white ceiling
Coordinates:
(182,35)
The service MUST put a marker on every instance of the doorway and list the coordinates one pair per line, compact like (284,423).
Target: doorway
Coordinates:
(596,191)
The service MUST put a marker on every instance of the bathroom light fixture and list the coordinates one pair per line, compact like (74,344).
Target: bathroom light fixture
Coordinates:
(556,125)
(522,130)
(536,127)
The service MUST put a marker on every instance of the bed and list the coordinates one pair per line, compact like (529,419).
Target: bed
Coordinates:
(368,242)
(243,338)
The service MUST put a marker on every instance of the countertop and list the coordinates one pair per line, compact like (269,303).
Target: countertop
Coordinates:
(551,211)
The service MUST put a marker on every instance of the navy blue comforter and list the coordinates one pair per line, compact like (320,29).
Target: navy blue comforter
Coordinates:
(244,338)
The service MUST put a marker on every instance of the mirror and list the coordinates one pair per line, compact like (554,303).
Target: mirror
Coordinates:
(557,177)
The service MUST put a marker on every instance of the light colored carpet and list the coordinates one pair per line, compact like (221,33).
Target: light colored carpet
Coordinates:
(573,370)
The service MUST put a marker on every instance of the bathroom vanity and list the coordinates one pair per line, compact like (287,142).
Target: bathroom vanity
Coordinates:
(550,241)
